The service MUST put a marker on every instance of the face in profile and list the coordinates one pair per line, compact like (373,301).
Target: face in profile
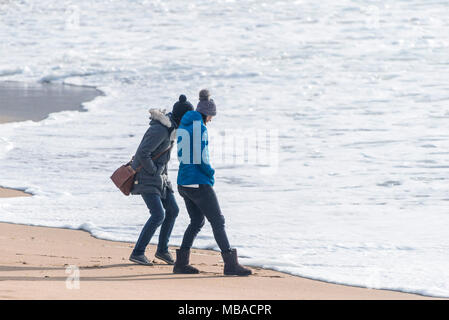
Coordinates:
(208,119)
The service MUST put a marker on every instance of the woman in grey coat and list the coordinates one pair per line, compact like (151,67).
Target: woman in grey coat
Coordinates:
(152,181)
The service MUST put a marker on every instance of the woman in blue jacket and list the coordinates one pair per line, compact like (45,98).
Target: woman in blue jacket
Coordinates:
(195,185)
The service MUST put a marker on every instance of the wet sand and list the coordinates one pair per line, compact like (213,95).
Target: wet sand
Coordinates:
(35,101)
(21,101)
(44,263)
(10,193)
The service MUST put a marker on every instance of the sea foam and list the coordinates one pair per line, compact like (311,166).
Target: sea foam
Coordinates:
(358,93)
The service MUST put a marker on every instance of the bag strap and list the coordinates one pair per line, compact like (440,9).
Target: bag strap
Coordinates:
(155,157)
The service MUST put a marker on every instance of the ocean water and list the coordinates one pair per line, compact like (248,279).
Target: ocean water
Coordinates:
(358,91)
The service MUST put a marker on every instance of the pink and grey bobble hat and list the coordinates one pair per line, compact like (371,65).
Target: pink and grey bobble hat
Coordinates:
(206,105)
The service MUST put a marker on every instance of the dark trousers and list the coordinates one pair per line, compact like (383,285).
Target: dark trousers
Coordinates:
(159,217)
(202,202)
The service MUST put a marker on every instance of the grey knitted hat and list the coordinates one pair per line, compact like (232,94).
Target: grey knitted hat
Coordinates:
(204,94)
(207,107)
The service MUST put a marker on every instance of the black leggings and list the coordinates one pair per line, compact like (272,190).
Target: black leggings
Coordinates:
(202,202)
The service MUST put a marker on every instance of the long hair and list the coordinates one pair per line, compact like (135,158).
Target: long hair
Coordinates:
(204,117)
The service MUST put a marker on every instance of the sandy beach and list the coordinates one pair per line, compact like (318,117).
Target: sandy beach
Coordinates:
(9,193)
(36,264)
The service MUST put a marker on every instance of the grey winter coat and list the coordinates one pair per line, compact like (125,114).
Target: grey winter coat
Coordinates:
(152,178)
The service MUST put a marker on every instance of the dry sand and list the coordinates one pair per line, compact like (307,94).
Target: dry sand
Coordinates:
(34,262)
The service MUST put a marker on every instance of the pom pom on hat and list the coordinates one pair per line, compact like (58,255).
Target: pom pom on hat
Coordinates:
(204,95)
(180,108)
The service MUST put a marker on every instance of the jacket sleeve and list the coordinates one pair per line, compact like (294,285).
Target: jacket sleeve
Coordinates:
(151,140)
(205,164)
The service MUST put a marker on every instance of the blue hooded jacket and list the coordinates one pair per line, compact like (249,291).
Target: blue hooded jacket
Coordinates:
(194,166)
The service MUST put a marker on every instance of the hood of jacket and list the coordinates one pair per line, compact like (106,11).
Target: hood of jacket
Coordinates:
(159,115)
(164,119)
(191,116)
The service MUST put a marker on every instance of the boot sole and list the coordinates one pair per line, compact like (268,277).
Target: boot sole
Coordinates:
(181,272)
(238,275)
(227,273)
(185,272)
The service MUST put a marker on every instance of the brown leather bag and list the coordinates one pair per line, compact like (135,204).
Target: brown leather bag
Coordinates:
(124,176)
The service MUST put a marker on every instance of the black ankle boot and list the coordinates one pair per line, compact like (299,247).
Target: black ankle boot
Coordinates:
(232,266)
(182,262)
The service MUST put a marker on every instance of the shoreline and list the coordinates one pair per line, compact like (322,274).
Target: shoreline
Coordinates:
(288,286)
(22,101)
(12,193)
(34,101)
(37,261)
